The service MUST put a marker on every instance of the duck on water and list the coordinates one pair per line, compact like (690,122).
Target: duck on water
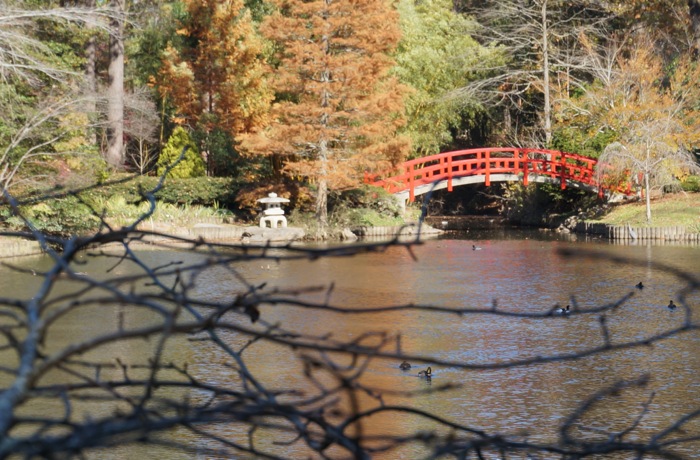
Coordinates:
(426,374)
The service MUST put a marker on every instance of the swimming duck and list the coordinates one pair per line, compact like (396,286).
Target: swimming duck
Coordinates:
(475,248)
(671,305)
(639,285)
(427,374)
(563,310)
(404,366)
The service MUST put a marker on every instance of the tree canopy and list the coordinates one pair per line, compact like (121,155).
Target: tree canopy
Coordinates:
(437,54)
(654,114)
(215,77)
(312,95)
(338,110)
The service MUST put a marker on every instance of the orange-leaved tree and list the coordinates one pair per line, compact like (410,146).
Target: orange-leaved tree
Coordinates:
(215,78)
(338,111)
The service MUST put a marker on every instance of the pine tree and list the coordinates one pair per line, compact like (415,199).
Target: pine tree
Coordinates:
(338,110)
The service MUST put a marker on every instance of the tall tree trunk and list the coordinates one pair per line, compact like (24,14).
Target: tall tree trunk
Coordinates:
(694,11)
(507,119)
(90,70)
(545,80)
(322,209)
(322,192)
(90,47)
(115,92)
(648,196)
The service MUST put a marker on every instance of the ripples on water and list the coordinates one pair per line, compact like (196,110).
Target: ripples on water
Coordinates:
(524,275)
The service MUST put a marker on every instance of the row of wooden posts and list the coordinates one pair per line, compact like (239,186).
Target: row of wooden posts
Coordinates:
(627,232)
(613,232)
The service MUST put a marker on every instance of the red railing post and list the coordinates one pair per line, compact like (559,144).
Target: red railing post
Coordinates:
(411,185)
(526,162)
(449,172)
(562,173)
(487,174)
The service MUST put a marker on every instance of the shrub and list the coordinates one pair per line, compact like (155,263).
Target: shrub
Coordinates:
(204,191)
(691,184)
(367,205)
(374,198)
(191,165)
(65,216)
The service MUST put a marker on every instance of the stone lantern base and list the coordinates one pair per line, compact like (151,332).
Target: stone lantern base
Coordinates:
(274,221)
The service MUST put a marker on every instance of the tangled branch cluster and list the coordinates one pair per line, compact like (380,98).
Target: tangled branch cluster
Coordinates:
(195,384)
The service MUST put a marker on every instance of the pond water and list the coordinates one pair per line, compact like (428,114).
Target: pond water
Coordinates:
(513,271)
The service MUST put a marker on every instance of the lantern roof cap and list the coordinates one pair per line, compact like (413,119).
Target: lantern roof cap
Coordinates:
(273,198)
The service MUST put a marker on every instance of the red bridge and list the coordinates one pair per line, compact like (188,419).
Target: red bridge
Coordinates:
(486,165)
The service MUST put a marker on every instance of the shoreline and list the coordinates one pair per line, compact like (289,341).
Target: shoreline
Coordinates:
(17,246)
(627,232)
(620,233)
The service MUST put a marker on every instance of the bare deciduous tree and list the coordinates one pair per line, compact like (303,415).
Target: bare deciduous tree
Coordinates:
(26,60)
(141,125)
(24,57)
(540,45)
(170,400)
(36,140)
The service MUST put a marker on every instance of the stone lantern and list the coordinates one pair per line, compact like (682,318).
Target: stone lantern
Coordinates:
(273,212)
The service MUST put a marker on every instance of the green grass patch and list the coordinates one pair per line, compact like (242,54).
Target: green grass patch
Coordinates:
(119,212)
(677,209)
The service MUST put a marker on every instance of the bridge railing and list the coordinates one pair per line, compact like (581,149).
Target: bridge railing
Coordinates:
(487,161)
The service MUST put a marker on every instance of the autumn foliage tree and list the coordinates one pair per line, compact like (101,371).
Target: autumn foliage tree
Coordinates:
(652,111)
(215,77)
(337,110)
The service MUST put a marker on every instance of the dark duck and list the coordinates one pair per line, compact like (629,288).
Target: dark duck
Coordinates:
(426,374)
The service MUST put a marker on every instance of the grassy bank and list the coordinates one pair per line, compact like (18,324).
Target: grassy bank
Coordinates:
(677,209)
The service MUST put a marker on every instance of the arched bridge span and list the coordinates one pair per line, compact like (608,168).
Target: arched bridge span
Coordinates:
(486,165)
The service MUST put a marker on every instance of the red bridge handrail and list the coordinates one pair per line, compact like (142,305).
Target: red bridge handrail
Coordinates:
(447,166)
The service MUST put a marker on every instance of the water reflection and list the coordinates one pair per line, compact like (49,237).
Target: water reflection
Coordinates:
(515,271)
(516,274)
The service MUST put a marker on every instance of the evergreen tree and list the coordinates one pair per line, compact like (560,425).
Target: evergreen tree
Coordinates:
(191,165)
(338,109)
